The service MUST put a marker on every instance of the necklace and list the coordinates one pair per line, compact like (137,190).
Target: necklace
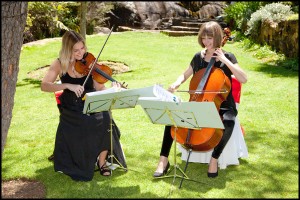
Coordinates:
(73,70)
(207,54)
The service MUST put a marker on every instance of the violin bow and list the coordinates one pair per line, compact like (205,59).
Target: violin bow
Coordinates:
(203,91)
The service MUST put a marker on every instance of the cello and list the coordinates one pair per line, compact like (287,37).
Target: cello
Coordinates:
(211,85)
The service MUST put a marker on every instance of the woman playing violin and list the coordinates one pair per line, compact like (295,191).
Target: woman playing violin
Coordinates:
(210,37)
(81,140)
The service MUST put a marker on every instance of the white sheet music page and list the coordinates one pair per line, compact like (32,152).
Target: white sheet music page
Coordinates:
(109,90)
(162,95)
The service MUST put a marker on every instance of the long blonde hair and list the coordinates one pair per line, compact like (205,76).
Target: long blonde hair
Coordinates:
(211,29)
(69,39)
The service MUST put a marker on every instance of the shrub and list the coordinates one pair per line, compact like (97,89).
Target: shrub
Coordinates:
(237,14)
(271,13)
(50,19)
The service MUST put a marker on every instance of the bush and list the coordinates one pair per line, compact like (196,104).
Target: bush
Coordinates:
(237,14)
(271,13)
(290,63)
(50,19)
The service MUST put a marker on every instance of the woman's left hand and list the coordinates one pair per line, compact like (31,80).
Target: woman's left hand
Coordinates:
(219,55)
(116,85)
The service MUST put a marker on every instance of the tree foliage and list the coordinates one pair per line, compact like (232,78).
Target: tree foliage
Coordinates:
(50,19)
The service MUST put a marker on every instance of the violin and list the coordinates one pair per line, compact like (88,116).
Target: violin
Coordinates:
(100,73)
(88,65)
(205,80)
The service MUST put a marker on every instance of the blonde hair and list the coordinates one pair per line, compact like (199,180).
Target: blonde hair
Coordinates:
(211,29)
(69,39)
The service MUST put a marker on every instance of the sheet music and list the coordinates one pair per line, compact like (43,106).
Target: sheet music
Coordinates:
(114,98)
(109,90)
(162,94)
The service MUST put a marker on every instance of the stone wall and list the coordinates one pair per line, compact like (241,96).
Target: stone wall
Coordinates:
(282,37)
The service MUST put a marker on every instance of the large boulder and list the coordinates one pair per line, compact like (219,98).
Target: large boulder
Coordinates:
(211,11)
(148,15)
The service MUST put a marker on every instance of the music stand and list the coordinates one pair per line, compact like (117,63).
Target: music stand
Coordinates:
(113,98)
(193,115)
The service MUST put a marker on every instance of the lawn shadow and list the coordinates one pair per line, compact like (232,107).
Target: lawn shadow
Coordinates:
(196,179)
(275,71)
(30,81)
(284,160)
(59,185)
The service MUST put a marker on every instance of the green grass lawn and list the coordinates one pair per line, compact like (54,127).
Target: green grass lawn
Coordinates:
(268,112)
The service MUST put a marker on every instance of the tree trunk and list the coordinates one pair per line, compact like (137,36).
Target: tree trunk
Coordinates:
(83,7)
(13,21)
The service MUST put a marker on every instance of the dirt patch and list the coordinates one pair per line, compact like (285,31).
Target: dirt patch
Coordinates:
(38,74)
(23,189)
(117,68)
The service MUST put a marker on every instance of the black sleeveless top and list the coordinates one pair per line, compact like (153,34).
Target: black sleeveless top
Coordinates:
(198,63)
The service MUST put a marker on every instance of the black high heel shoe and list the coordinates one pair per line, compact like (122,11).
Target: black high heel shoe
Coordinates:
(159,174)
(104,169)
(212,175)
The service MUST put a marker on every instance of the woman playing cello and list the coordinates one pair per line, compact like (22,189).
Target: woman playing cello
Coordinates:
(210,37)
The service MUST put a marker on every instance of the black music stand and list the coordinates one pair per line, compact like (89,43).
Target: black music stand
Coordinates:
(113,98)
(193,115)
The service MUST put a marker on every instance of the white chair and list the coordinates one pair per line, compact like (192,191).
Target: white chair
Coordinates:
(235,148)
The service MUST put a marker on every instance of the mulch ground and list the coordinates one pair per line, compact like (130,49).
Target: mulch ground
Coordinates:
(23,189)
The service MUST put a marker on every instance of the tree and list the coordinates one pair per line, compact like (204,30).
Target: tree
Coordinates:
(83,7)
(13,21)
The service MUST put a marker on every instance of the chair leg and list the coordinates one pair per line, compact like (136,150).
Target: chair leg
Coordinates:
(186,165)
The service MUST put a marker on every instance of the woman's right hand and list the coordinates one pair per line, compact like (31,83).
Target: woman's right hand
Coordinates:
(77,89)
(173,87)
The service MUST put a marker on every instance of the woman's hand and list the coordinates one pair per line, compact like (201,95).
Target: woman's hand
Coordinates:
(77,89)
(219,55)
(181,79)
(174,87)
(236,70)
(116,85)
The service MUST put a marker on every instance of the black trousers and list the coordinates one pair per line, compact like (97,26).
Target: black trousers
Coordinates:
(228,118)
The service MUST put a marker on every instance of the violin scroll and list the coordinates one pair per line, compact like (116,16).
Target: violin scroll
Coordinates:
(227,34)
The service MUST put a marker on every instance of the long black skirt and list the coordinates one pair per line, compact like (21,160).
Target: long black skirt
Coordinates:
(79,140)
